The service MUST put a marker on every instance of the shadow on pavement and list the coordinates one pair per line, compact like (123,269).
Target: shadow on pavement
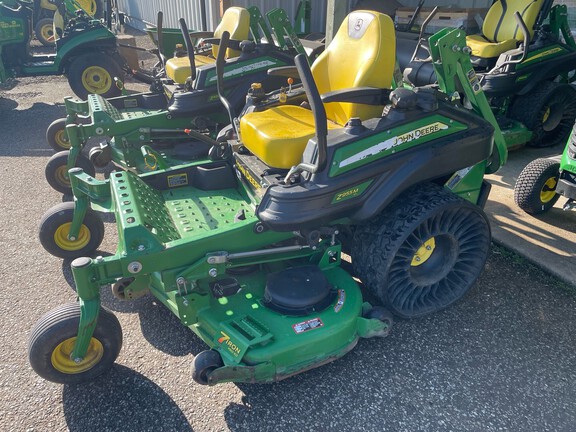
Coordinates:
(27,129)
(121,400)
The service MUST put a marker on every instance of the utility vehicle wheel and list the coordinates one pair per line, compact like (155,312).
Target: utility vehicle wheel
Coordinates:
(57,174)
(56,135)
(548,111)
(423,252)
(44,31)
(94,73)
(54,228)
(204,363)
(535,189)
(52,341)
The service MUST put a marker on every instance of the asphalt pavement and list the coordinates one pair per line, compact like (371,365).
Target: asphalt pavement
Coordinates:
(501,359)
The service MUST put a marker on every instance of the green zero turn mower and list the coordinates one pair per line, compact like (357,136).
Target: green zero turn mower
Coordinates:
(178,120)
(247,251)
(86,52)
(526,67)
(543,181)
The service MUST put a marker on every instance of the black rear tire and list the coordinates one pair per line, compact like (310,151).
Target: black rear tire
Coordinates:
(94,73)
(422,253)
(535,189)
(549,111)
(51,340)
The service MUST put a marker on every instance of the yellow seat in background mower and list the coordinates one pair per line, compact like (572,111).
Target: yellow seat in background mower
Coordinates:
(178,68)
(500,32)
(362,54)
(236,21)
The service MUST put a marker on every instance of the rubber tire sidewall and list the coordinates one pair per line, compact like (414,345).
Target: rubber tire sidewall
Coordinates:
(61,214)
(376,243)
(530,183)
(38,31)
(79,64)
(52,130)
(60,324)
(527,109)
(60,159)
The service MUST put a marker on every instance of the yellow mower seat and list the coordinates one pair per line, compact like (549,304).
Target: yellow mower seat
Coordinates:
(361,54)
(500,32)
(236,21)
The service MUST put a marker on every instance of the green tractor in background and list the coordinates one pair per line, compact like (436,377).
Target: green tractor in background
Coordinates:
(86,51)
(45,12)
(246,250)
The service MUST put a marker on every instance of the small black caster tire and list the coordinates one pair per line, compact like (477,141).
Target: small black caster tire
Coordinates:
(381,314)
(423,252)
(535,188)
(44,31)
(57,174)
(204,364)
(94,73)
(56,135)
(52,340)
(99,158)
(54,228)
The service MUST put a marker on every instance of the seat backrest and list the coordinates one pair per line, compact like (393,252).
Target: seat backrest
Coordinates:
(363,53)
(500,24)
(236,21)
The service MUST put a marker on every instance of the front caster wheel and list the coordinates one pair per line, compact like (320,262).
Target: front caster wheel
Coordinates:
(56,135)
(423,252)
(535,189)
(57,173)
(55,226)
(100,157)
(52,341)
(381,314)
(204,364)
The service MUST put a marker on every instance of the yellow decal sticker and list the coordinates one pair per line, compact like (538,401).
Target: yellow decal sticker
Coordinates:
(232,347)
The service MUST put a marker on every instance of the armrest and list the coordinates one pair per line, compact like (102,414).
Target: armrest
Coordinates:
(201,34)
(285,71)
(232,43)
(361,95)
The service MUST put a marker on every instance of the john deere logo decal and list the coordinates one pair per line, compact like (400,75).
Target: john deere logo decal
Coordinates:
(232,347)
(394,142)
(359,23)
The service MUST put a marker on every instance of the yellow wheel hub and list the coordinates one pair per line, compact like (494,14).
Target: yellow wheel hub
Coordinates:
(47,32)
(63,242)
(62,361)
(96,79)
(62,140)
(61,175)
(546,115)
(424,252)
(548,192)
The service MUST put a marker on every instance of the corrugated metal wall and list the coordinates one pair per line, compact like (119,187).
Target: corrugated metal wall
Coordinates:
(141,11)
